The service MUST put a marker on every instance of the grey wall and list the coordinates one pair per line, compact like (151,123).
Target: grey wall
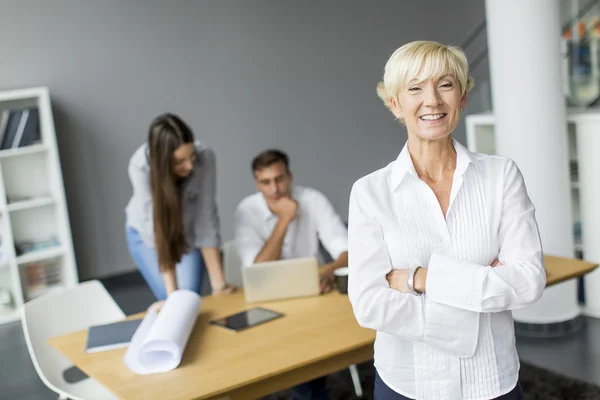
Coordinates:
(245,74)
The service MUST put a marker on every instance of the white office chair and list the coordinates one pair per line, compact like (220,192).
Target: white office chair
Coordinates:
(232,264)
(60,313)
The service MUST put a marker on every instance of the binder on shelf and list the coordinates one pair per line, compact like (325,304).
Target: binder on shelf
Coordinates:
(4,123)
(20,128)
(10,131)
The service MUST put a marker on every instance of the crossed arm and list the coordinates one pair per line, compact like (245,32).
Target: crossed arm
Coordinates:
(378,293)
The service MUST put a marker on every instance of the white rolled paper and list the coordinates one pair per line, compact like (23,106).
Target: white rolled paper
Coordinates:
(158,343)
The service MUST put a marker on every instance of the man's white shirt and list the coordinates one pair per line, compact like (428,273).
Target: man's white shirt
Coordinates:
(315,220)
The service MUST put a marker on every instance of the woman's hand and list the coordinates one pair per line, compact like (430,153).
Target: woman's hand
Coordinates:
(398,279)
(157,306)
(227,288)
(496,263)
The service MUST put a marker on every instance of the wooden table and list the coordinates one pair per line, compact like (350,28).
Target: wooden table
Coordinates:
(560,269)
(318,335)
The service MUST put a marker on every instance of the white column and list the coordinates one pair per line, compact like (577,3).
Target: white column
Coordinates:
(531,128)
(588,143)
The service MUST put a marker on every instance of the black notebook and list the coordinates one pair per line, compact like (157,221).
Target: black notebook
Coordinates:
(111,336)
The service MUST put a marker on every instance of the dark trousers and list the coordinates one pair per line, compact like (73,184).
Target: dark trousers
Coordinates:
(313,390)
(383,392)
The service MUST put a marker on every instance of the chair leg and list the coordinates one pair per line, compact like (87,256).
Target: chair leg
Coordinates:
(356,380)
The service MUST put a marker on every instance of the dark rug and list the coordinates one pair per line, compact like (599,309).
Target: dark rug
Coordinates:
(537,383)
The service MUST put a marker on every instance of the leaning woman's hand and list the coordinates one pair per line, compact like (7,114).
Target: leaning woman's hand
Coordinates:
(228,288)
(157,305)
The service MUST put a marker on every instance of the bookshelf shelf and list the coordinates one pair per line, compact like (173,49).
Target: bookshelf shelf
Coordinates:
(36,244)
(33,203)
(31,149)
(40,255)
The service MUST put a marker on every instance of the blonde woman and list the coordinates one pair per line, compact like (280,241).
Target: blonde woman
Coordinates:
(443,244)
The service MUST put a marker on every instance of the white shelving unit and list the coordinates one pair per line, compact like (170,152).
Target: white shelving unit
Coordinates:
(33,210)
(583,129)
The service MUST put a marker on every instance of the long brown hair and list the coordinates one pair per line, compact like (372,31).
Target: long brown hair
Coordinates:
(167,133)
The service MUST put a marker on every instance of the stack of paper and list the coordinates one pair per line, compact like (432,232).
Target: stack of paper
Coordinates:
(159,342)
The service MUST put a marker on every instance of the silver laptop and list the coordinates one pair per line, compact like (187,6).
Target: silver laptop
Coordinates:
(282,279)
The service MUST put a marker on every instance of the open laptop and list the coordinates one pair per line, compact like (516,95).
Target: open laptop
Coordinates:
(282,279)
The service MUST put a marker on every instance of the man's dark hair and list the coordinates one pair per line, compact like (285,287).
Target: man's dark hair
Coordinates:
(268,158)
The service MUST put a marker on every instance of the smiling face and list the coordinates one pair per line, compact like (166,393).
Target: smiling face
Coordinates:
(430,108)
(425,85)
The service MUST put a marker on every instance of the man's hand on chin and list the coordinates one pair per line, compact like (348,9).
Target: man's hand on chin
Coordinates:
(285,208)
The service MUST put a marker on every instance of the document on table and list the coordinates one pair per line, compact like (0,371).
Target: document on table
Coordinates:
(159,342)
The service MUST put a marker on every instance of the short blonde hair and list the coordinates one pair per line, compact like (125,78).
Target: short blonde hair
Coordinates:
(420,61)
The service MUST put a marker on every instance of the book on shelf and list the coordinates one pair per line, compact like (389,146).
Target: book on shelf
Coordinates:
(29,246)
(41,277)
(19,128)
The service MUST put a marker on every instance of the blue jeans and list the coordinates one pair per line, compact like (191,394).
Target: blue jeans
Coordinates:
(190,269)
(383,392)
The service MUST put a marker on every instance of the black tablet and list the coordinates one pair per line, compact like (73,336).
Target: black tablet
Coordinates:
(246,319)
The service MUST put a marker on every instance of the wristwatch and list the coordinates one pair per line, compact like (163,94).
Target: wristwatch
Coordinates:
(411,281)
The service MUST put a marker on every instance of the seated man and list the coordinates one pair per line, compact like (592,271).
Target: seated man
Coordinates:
(282,221)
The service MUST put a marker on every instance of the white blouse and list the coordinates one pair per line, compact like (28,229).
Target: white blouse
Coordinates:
(456,341)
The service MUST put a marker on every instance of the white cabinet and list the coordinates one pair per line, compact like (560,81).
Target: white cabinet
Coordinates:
(36,249)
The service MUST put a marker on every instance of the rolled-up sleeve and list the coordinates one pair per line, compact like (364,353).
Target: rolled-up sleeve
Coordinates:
(207,222)
(377,306)
(514,285)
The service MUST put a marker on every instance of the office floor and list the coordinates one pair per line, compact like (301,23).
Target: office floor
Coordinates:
(577,356)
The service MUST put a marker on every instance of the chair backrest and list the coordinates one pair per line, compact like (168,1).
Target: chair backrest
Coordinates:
(70,310)
(232,264)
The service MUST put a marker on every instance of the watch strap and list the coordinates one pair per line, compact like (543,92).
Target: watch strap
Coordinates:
(411,281)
